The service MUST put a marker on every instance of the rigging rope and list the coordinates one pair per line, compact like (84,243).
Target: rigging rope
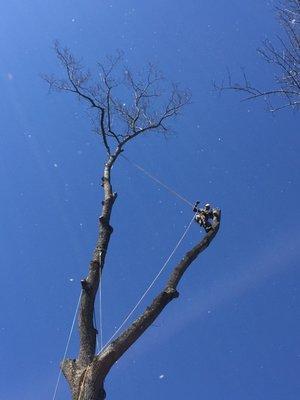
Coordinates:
(96,327)
(100,330)
(150,286)
(100,312)
(67,346)
(158,181)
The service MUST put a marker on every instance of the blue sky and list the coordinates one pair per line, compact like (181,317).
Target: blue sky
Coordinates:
(234,331)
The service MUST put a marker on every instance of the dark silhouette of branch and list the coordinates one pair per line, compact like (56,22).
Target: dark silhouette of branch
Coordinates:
(148,109)
(285,58)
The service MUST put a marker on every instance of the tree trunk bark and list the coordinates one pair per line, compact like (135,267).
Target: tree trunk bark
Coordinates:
(85,383)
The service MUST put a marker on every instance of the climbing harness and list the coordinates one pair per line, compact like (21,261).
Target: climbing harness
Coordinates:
(172,191)
(150,286)
(67,346)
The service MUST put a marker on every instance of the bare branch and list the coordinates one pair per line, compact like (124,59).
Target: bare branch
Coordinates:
(286,60)
(120,120)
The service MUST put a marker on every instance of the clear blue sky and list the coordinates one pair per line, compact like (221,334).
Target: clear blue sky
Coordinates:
(234,332)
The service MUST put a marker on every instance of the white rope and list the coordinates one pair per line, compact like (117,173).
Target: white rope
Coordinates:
(67,346)
(150,286)
(158,181)
(100,312)
(99,326)
(97,341)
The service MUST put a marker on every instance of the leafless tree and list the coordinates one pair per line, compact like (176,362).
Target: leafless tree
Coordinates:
(284,57)
(118,123)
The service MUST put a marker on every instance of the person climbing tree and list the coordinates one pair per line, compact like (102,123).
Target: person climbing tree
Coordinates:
(204,216)
(118,123)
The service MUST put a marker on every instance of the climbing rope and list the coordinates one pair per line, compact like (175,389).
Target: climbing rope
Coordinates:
(100,312)
(150,286)
(67,346)
(96,327)
(100,329)
(158,181)
(99,343)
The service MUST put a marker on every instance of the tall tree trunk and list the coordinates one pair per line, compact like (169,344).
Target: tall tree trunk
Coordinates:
(84,374)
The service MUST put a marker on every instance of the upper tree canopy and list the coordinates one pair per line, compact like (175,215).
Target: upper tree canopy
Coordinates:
(126,106)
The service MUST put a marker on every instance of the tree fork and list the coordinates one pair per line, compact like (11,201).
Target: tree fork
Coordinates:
(85,383)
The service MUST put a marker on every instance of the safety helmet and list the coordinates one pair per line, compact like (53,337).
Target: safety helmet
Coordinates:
(207,205)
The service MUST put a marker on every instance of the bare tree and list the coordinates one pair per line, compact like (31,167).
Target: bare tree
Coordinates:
(285,57)
(118,123)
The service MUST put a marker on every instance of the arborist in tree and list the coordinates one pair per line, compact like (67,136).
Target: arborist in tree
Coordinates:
(204,215)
